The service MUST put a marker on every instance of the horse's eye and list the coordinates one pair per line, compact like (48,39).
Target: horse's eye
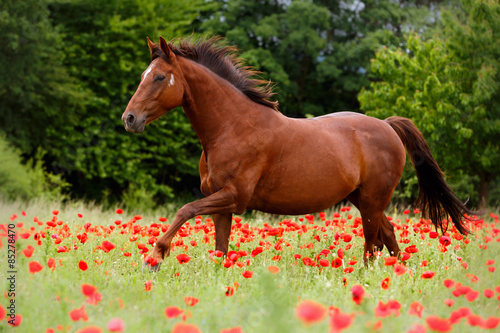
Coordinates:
(159,78)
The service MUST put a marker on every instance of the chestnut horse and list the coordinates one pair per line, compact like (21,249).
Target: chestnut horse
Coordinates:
(254,157)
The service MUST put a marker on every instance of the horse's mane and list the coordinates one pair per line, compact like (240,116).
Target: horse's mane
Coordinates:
(222,59)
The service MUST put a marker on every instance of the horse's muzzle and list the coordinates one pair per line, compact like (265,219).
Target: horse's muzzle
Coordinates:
(132,123)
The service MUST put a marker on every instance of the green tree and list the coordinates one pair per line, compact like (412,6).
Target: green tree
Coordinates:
(40,101)
(318,52)
(450,88)
(106,50)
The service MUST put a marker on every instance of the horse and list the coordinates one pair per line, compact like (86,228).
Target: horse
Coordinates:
(255,157)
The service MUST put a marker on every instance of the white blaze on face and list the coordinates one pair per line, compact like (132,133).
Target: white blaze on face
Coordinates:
(171,82)
(147,71)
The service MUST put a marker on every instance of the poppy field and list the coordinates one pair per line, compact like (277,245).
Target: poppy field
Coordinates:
(82,271)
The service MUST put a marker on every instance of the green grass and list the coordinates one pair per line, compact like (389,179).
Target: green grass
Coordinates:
(263,303)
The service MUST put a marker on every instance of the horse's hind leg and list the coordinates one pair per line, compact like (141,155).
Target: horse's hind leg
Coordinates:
(378,231)
(378,242)
(387,237)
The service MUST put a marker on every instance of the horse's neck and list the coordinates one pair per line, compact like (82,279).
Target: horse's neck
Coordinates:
(212,104)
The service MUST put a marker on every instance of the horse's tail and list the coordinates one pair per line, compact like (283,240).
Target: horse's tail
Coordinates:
(436,198)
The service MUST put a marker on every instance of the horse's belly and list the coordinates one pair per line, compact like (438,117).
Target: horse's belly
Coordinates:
(309,191)
(295,203)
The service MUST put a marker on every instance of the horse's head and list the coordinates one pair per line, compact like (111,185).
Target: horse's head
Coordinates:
(161,89)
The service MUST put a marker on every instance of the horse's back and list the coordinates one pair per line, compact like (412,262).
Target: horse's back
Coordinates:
(322,160)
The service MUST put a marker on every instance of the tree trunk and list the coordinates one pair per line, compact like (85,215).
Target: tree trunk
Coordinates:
(483,191)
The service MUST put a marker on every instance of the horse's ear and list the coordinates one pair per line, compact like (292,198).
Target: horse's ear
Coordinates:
(152,46)
(165,48)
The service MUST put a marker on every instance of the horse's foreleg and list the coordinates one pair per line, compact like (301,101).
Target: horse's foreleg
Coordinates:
(222,224)
(221,202)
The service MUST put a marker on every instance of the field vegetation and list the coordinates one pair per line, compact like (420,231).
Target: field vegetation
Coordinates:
(80,269)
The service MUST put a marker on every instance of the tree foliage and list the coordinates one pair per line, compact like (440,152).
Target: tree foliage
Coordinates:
(317,52)
(36,91)
(449,86)
(105,44)
(71,66)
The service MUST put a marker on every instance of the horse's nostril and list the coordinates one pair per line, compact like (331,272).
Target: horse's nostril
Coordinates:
(130,118)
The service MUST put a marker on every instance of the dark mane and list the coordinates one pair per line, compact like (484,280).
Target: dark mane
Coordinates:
(222,59)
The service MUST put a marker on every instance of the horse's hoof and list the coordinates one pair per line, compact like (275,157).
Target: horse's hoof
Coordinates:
(154,268)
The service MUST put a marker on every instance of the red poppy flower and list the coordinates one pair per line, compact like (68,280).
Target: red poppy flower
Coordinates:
(348,270)
(247,274)
(185,328)
(151,261)
(386,309)
(339,321)
(336,263)
(88,289)
(35,267)
(405,256)
(448,283)
(119,211)
(147,285)
(389,261)
(79,215)
(340,253)
(17,320)
(93,297)
(79,314)
(324,262)
(83,265)
(55,212)
(51,263)
(488,293)
(183,258)
(433,234)
(427,275)
(449,302)
(229,291)
(191,301)
(491,323)
(310,312)
(416,309)
(107,246)
(28,251)
(3,313)
(116,325)
(90,329)
(399,269)
(411,249)
(232,330)
(474,320)
(274,269)
(357,292)
(472,295)
(445,240)
(385,283)
(256,251)
(438,324)
(173,311)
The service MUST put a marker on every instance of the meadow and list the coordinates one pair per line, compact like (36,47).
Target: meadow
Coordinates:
(80,269)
